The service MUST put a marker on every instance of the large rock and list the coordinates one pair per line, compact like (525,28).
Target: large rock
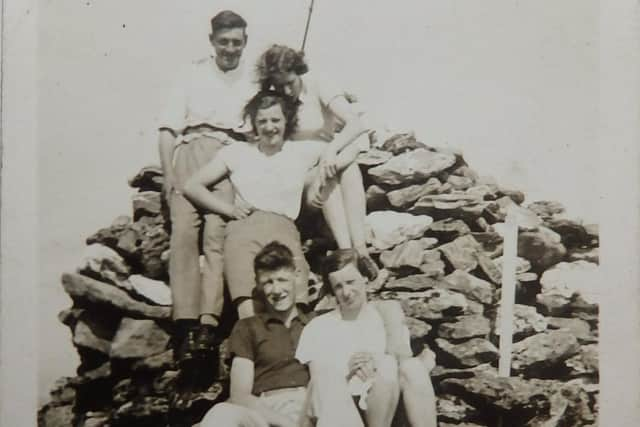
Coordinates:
(463,206)
(92,332)
(540,353)
(567,279)
(408,254)
(373,157)
(465,327)
(138,338)
(462,253)
(154,291)
(572,233)
(546,209)
(432,264)
(499,395)
(585,363)
(404,197)
(88,290)
(149,178)
(553,304)
(413,167)
(388,228)
(435,304)
(448,229)
(543,248)
(472,287)
(490,242)
(453,409)
(146,203)
(418,329)
(105,264)
(470,353)
(56,416)
(578,328)
(569,405)
(401,143)
(376,198)
(526,321)
(416,282)
(589,255)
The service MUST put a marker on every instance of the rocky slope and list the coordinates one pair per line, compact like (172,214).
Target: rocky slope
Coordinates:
(435,230)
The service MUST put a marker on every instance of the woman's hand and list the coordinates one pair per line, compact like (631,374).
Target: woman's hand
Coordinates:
(241,209)
(363,365)
(328,165)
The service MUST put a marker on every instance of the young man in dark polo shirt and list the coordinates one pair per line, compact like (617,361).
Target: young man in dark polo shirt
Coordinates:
(268,385)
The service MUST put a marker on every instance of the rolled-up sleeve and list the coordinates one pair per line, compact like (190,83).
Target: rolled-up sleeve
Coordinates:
(241,342)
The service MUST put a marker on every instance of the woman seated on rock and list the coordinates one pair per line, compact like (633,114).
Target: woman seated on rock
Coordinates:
(322,109)
(268,176)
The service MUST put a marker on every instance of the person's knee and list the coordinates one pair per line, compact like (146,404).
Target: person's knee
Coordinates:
(387,369)
(222,414)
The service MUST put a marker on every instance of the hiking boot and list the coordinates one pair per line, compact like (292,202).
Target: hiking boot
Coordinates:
(206,340)
(186,350)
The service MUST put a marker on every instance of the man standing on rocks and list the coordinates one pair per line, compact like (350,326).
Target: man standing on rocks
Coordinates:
(203,114)
(374,366)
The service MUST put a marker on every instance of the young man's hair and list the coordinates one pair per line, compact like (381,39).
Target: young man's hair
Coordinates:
(227,20)
(268,98)
(274,256)
(336,261)
(279,59)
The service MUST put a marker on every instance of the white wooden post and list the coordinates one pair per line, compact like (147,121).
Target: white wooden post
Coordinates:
(507,300)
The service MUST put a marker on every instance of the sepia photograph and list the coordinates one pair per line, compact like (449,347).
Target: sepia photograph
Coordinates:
(321,213)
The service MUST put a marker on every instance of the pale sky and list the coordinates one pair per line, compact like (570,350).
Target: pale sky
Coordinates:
(512,84)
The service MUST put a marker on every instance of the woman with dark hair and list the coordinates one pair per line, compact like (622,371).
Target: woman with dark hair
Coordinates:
(321,110)
(268,178)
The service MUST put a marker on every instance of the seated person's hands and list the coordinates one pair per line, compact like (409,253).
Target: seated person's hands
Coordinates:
(328,165)
(362,365)
(241,208)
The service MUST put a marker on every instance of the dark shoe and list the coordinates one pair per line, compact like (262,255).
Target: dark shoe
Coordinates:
(207,340)
(186,351)
(369,266)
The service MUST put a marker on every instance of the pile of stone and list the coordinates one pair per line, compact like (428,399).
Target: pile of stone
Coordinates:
(435,227)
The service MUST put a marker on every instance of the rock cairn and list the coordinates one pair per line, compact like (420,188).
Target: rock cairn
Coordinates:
(435,229)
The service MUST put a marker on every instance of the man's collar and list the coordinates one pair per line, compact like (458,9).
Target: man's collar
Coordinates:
(267,317)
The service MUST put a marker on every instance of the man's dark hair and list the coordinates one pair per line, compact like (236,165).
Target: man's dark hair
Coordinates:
(268,98)
(272,257)
(336,261)
(227,20)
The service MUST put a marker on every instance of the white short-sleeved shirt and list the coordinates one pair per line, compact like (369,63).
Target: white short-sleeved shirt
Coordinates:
(315,119)
(331,341)
(205,95)
(271,183)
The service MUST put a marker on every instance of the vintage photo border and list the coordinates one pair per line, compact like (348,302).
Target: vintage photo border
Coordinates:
(619,46)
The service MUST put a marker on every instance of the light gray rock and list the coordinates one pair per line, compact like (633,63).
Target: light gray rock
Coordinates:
(473,288)
(105,264)
(85,289)
(404,197)
(567,279)
(448,229)
(546,209)
(453,409)
(578,328)
(585,362)
(526,321)
(388,228)
(376,198)
(473,352)
(138,339)
(522,265)
(543,351)
(91,333)
(465,327)
(589,255)
(436,304)
(543,248)
(450,205)
(432,264)
(146,203)
(416,282)
(411,167)
(154,291)
(407,254)
(56,416)
(461,253)
(418,329)
(373,157)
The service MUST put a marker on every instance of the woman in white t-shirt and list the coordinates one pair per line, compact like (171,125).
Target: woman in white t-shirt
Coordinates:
(321,110)
(268,178)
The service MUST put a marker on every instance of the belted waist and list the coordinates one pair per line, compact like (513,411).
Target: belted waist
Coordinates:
(215,132)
